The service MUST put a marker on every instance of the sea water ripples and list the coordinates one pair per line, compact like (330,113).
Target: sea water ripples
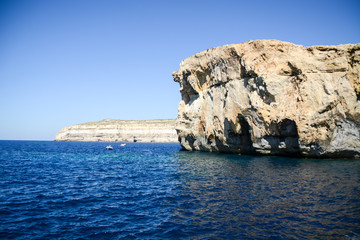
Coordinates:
(56,190)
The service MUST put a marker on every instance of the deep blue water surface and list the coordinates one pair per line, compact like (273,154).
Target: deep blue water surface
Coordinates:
(68,190)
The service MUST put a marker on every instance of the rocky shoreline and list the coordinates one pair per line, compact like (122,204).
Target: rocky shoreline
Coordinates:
(271,98)
(264,97)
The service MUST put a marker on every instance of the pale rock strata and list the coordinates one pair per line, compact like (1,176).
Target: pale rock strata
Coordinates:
(271,97)
(109,130)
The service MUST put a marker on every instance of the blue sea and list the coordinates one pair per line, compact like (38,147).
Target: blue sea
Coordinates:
(79,190)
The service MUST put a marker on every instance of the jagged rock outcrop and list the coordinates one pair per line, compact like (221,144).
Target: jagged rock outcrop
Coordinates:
(109,130)
(271,97)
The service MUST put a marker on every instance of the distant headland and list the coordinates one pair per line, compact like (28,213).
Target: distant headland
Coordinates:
(111,130)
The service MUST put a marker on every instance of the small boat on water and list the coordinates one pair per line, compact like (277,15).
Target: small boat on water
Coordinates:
(122,145)
(109,147)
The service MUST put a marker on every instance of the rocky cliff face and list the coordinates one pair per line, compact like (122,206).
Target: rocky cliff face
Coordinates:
(109,130)
(271,97)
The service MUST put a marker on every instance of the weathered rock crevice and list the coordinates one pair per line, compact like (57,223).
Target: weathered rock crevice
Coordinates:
(271,97)
(258,85)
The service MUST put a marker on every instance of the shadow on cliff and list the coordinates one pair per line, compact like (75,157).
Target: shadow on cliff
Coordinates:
(238,137)
(284,139)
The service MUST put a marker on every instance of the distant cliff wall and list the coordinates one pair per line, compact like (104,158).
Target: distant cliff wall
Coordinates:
(110,130)
(271,97)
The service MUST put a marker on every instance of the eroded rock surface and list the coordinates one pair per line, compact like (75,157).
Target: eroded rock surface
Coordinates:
(110,130)
(271,97)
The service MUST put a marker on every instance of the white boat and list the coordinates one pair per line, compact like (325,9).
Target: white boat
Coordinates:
(122,145)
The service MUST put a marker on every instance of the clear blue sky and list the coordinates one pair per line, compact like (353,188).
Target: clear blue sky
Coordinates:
(72,61)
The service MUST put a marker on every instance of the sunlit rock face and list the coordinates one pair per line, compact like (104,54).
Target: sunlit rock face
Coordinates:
(110,130)
(271,97)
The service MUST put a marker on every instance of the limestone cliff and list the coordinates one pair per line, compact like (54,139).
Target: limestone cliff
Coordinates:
(110,130)
(271,97)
